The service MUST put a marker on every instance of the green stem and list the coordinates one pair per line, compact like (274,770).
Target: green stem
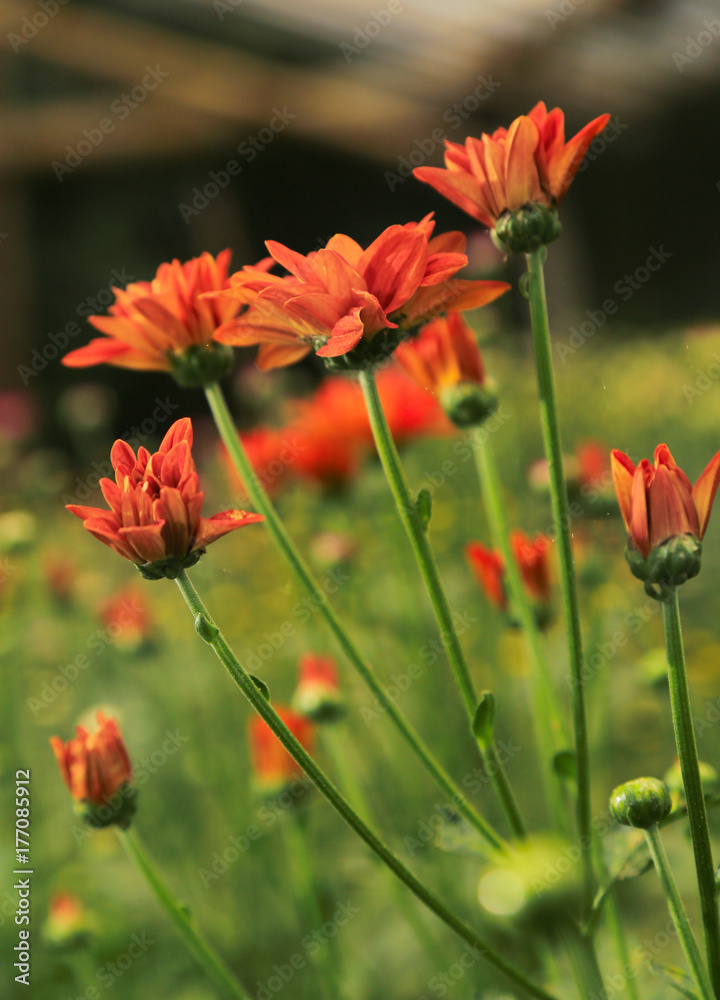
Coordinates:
(561,517)
(304,877)
(181,919)
(547,718)
(210,633)
(334,745)
(303,574)
(415,528)
(502,787)
(688,757)
(677,912)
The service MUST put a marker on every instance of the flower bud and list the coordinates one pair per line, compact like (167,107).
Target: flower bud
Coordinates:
(527,228)
(671,564)
(68,924)
(318,696)
(640,803)
(468,404)
(274,770)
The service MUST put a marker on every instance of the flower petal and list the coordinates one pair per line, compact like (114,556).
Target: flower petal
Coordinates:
(623,471)
(703,492)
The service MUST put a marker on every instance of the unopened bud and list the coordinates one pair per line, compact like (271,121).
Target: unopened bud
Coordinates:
(640,803)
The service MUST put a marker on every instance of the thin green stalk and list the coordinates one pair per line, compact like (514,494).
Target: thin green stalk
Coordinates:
(210,633)
(334,745)
(304,877)
(502,785)
(414,525)
(547,717)
(181,918)
(688,757)
(561,516)
(678,914)
(303,574)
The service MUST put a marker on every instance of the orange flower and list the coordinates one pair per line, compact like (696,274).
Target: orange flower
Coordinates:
(336,297)
(126,619)
(152,322)
(530,555)
(154,517)
(659,502)
(318,695)
(273,767)
(94,765)
(410,411)
(270,452)
(528,163)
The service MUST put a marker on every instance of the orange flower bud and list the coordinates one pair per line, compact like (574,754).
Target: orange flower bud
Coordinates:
(274,769)
(318,696)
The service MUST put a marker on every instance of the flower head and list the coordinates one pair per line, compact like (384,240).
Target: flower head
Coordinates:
(339,299)
(529,164)
(273,767)
(126,620)
(658,502)
(445,359)
(531,556)
(155,502)
(68,923)
(166,324)
(318,696)
(96,768)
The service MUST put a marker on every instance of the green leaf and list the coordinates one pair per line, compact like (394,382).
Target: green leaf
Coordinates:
(676,978)
(261,686)
(423,505)
(565,765)
(484,721)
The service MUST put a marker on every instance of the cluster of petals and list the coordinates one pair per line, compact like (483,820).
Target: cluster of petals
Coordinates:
(333,298)
(152,320)
(529,162)
(531,555)
(155,503)
(273,767)
(444,354)
(329,435)
(658,501)
(94,765)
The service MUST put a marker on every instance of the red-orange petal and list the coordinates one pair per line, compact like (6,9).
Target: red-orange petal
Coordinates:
(704,490)
(623,471)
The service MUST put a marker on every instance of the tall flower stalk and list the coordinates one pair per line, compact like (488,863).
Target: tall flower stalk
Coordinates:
(303,574)
(210,633)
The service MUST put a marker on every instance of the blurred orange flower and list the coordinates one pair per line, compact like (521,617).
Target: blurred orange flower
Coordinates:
(658,502)
(94,765)
(273,767)
(445,353)
(150,321)
(531,555)
(529,162)
(336,297)
(155,502)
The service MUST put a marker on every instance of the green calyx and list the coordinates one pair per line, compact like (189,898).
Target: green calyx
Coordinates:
(170,567)
(527,228)
(469,404)
(640,803)
(368,353)
(201,364)
(670,564)
(117,810)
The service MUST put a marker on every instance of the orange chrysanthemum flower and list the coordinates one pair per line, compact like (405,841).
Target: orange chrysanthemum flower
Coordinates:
(531,555)
(445,359)
(273,767)
(153,324)
(317,695)
(94,766)
(658,502)
(529,163)
(339,299)
(155,502)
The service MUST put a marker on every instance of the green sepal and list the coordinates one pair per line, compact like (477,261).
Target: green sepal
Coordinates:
(484,720)
(201,364)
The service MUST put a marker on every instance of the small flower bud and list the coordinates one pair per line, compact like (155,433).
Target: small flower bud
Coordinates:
(318,696)
(468,404)
(671,564)
(527,228)
(640,803)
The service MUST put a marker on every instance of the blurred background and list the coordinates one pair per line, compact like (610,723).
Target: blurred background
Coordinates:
(134,133)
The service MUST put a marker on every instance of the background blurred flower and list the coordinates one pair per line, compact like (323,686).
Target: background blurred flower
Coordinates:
(273,767)
(317,695)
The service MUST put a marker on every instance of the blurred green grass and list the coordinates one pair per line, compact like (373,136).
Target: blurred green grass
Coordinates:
(628,394)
